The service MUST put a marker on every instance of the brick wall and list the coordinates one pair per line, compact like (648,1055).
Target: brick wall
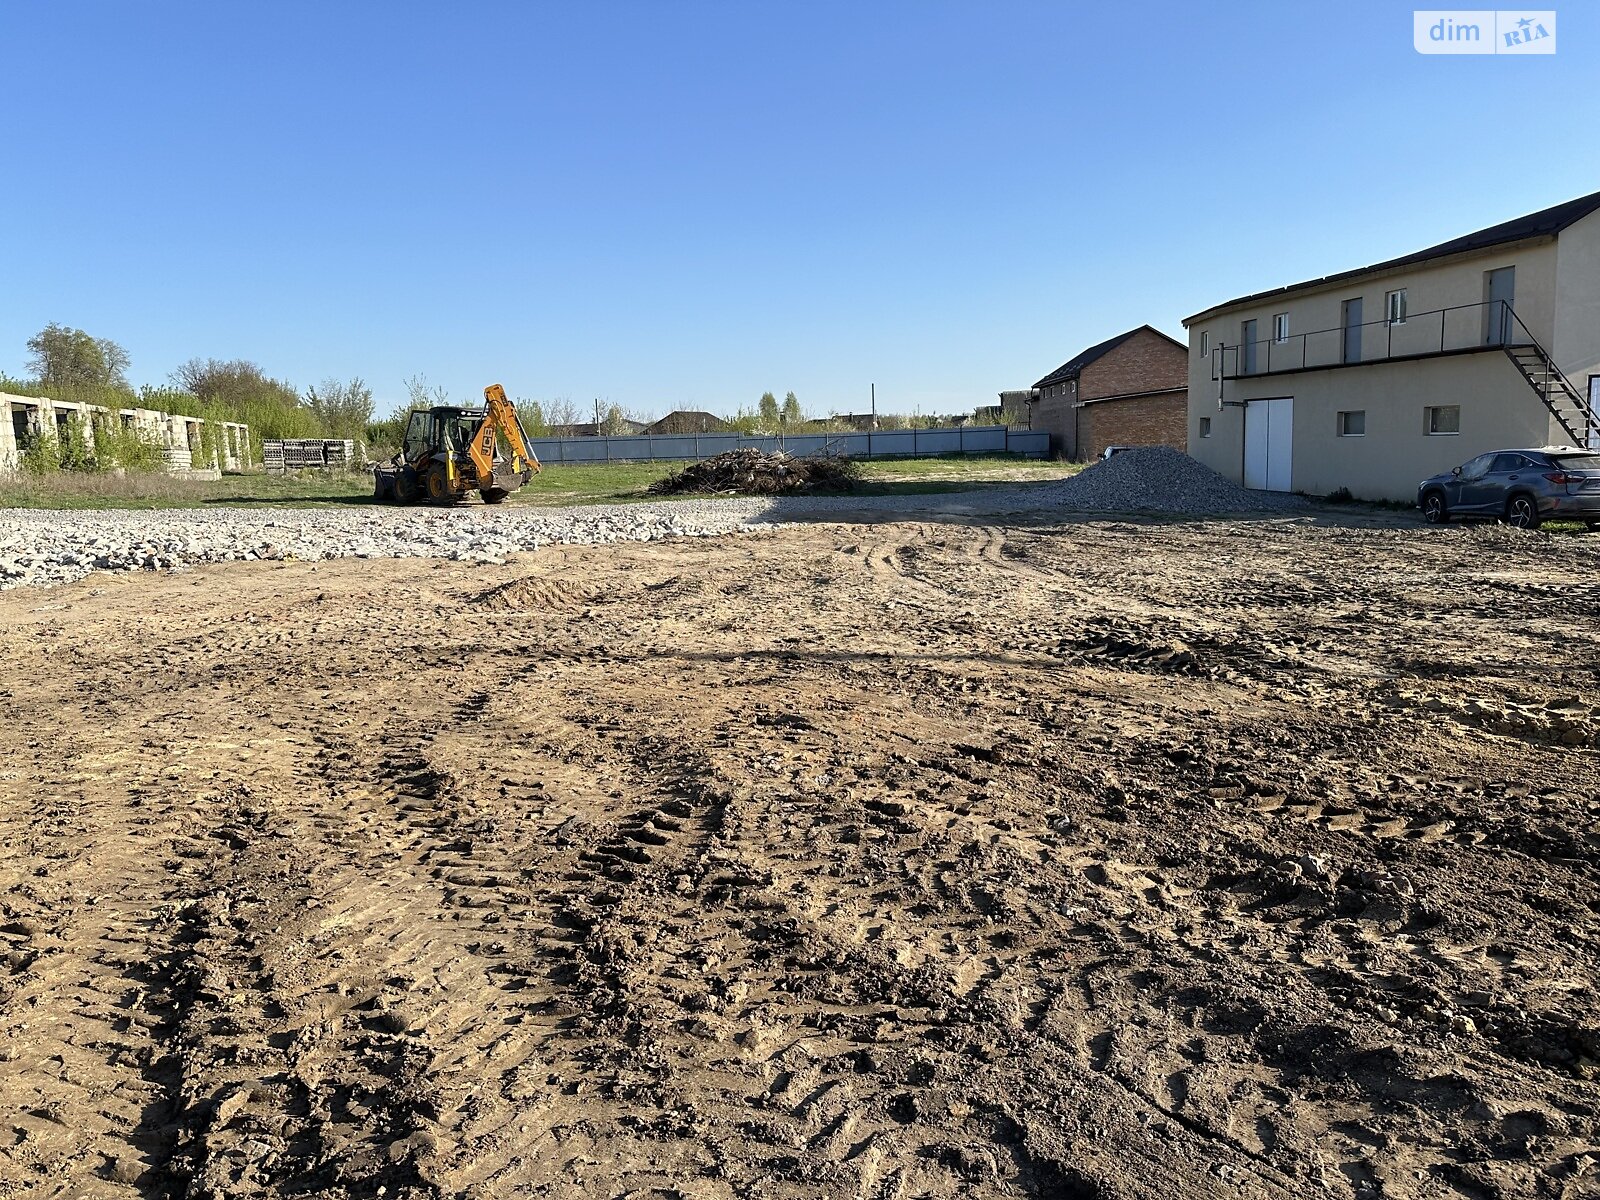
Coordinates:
(1052,414)
(1136,421)
(1146,362)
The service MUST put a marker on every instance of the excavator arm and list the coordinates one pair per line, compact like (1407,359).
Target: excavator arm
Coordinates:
(502,418)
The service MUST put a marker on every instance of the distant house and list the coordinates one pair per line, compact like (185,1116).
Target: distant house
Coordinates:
(685,421)
(590,429)
(1014,409)
(860,422)
(1130,390)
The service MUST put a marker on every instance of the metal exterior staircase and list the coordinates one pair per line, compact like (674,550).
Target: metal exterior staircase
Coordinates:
(1567,405)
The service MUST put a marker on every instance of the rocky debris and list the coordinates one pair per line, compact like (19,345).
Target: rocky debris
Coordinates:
(753,472)
(1161,479)
(43,547)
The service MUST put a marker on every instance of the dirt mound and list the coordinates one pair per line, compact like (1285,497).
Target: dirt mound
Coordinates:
(1160,479)
(753,471)
(524,594)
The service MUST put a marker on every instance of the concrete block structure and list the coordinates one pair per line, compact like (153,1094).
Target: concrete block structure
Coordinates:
(1130,390)
(179,438)
(1376,378)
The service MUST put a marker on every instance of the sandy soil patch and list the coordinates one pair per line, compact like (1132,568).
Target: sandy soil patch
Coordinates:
(1104,859)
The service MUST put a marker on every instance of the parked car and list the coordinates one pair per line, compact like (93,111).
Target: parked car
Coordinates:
(1521,487)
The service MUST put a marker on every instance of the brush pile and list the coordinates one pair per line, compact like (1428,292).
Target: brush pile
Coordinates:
(754,472)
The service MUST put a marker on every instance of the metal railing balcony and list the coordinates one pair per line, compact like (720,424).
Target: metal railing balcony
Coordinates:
(1459,329)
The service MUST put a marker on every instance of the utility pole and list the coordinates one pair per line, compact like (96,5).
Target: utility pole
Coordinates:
(597,414)
(874,423)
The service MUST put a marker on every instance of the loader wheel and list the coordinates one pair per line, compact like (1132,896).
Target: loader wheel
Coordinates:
(405,487)
(383,489)
(494,495)
(439,486)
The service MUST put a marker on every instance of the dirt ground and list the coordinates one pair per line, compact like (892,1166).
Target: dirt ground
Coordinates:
(1102,859)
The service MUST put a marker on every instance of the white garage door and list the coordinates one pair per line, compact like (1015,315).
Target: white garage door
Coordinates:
(1268,443)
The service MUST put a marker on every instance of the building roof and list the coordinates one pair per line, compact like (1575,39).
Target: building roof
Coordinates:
(590,429)
(1071,368)
(684,420)
(1547,222)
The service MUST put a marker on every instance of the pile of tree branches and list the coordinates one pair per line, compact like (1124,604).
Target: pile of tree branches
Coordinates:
(754,472)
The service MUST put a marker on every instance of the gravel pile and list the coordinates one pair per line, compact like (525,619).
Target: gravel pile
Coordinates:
(1160,479)
(43,547)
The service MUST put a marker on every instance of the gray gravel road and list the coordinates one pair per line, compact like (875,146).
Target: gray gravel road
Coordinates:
(45,547)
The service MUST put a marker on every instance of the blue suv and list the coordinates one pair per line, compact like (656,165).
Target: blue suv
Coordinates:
(1522,487)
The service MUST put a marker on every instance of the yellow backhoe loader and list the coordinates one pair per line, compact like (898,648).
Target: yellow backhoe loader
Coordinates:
(450,451)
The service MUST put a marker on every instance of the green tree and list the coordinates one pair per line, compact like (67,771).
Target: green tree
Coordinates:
(767,409)
(231,382)
(791,410)
(344,409)
(420,395)
(239,390)
(60,356)
(531,414)
(615,424)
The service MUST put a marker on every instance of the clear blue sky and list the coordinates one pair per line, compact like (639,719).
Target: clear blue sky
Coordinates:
(682,204)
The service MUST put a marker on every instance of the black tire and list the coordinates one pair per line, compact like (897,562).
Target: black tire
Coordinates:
(405,486)
(495,495)
(1434,511)
(438,483)
(1522,511)
(383,488)
(1592,526)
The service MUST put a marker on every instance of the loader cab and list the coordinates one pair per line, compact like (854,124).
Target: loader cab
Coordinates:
(444,428)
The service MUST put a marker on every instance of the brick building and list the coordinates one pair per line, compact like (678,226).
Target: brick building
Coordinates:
(1130,390)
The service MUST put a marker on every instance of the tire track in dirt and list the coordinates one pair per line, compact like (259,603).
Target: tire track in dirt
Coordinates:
(508,956)
(90,1086)
(720,878)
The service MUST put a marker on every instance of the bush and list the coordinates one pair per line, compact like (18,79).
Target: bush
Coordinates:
(133,450)
(41,454)
(75,452)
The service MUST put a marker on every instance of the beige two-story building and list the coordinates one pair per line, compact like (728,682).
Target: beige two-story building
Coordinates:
(1375,378)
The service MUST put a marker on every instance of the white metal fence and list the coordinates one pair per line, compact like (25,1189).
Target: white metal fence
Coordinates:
(897,443)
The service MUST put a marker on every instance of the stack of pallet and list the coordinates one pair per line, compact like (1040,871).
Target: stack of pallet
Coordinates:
(282,455)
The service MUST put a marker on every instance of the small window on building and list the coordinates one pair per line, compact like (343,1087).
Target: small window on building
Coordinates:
(1395,305)
(1205,342)
(1280,327)
(1353,424)
(1444,418)
(1205,426)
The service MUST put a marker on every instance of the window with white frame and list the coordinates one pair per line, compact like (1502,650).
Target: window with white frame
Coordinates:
(1205,426)
(1394,304)
(1353,423)
(1205,342)
(1443,418)
(1280,327)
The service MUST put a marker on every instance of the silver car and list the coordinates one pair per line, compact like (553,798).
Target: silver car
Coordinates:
(1522,487)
